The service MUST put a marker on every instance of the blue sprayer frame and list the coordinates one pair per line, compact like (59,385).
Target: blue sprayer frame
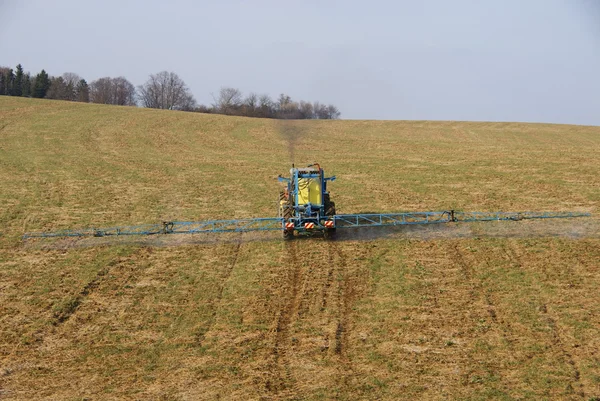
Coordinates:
(308,213)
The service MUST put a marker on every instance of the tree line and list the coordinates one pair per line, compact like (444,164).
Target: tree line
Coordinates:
(231,101)
(164,90)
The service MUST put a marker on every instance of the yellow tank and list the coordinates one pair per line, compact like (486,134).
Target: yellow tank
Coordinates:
(309,191)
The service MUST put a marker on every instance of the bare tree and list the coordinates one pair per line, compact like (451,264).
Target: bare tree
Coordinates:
(332,112)
(306,110)
(118,91)
(58,89)
(166,90)
(288,109)
(101,91)
(266,107)
(187,103)
(229,100)
(317,110)
(321,111)
(71,80)
(283,101)
(123,92)
(204,109)
(251,105)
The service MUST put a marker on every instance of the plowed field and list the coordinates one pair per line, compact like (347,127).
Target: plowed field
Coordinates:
(499,310)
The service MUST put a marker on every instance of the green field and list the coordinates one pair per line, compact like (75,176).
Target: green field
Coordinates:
(500,310)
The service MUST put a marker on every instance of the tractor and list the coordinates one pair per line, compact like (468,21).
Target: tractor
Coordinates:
(305,205)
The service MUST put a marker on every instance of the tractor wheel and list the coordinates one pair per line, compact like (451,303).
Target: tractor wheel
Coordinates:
(288,235)
(329,205)
(285,206)
(330,209)
(288,210)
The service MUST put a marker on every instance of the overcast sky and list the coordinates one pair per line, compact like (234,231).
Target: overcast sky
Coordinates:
(509,60)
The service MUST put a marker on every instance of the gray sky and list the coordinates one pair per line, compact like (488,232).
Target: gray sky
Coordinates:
(509,60)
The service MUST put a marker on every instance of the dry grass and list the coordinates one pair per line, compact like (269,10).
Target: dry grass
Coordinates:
(482,311)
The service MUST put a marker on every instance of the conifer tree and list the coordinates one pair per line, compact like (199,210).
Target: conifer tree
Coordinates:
(18,83)
(41,84)
(82,91)
(26,85)
(7,78)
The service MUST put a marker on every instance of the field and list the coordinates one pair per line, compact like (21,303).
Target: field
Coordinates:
(500,310)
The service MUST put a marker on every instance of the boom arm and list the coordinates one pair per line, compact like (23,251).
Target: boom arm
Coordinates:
(274,223)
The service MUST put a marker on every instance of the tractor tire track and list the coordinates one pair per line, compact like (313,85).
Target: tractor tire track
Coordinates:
(326,303)
(515,260)
(459,259)
(557,341)
(200,334)
(344,300)
(309,293)
(70,307)
(347,292)
(490,299)
(477,293)
(466,269)
(512,254)
(329,279)
(281,379)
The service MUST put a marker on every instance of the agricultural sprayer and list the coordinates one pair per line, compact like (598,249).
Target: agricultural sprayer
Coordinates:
(305,209)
